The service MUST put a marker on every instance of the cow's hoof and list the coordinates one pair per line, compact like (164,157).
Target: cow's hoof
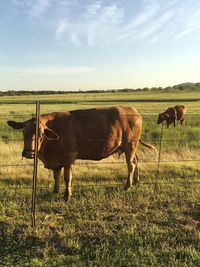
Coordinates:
(55,191)
(127,187)
(136,182)
(67,197)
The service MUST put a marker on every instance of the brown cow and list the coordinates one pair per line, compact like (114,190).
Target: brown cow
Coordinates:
(172,115)
(91,134)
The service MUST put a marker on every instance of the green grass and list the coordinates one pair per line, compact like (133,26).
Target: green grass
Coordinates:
(103,225)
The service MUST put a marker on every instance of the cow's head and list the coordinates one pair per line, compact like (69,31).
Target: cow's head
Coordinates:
(29,129)
(162,117)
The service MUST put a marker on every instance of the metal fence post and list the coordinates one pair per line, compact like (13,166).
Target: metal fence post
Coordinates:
(159,159)
(34,185)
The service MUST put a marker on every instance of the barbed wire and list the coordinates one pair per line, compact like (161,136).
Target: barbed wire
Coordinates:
(155,183)
(107,163)
(32,113)
(175,181)
(87,115)
(103,140)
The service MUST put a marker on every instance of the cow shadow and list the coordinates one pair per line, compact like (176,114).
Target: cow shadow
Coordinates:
(16,249)
(19,245)
(195,215)
(98,179)
(16,182)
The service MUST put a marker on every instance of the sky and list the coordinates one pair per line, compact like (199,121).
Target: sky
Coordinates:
(98,44)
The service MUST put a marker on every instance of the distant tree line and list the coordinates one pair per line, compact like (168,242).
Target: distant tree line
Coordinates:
(179,87)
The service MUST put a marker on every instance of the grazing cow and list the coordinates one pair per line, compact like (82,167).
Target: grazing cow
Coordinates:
(91,134)
(172,115)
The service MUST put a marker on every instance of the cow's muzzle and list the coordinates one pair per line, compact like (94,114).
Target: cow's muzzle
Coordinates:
(160,120)
(29,154)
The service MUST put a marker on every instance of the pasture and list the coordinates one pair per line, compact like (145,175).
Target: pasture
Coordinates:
(155,224)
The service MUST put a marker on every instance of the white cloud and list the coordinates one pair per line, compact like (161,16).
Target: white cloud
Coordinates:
(33,8)
(156,26)
(148,12)
(167,20)
(186,31)
(46,70)
(38,7)
(61,28)
(92,10)
(94,22)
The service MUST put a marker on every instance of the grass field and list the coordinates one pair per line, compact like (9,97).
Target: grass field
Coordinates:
(155,224)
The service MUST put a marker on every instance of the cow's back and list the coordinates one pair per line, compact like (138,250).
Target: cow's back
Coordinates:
(99,132)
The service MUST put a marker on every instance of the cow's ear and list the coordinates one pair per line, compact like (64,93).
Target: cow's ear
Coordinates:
(50,134)
(16,125)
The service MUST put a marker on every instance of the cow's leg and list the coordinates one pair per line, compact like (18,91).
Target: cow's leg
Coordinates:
(183,121)
(56,174)
(136,171)
(68,181)
(168,124)
(130,155)
(174,122)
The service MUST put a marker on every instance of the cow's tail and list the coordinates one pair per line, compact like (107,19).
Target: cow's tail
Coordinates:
(149,147)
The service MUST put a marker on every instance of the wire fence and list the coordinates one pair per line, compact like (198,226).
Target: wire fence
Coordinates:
(143,161)
(164,157)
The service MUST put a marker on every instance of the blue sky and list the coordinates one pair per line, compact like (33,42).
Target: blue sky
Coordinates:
(98,44)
